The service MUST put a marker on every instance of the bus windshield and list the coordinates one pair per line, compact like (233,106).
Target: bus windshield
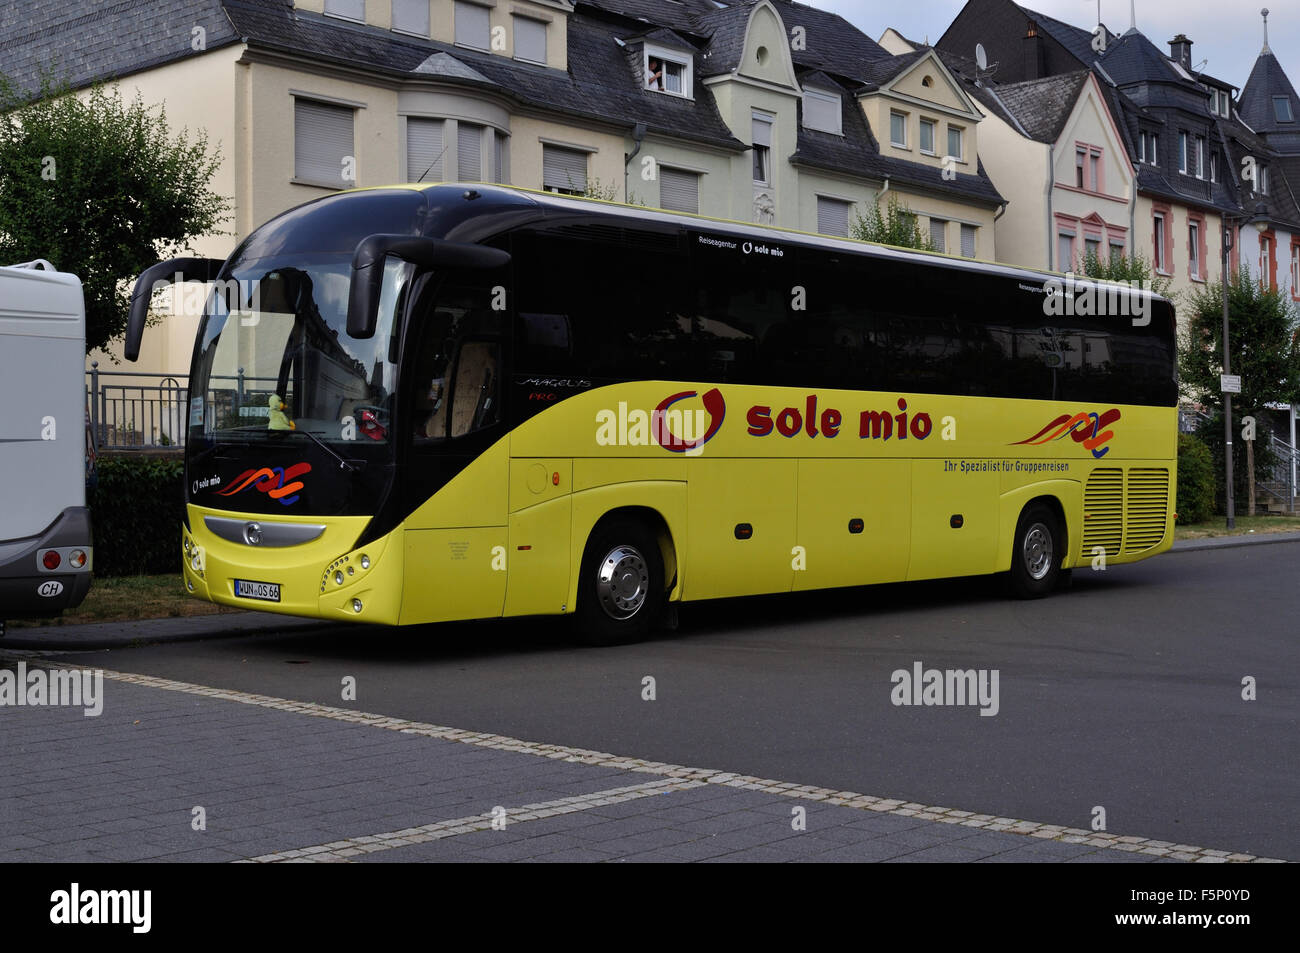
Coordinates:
(274,358)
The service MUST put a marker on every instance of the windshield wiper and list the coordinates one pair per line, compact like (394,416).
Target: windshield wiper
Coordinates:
(343,464)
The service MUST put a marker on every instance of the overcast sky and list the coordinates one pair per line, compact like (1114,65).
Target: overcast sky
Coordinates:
(1229,35)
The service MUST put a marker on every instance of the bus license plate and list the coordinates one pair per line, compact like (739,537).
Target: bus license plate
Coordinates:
(266,591)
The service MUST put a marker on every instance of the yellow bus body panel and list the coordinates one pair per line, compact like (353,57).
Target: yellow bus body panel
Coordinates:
(938,491)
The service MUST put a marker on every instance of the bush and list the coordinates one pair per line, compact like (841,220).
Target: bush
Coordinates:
(1196,481)
(136,510)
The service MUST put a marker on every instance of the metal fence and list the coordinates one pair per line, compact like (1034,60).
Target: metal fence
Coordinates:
(133,411)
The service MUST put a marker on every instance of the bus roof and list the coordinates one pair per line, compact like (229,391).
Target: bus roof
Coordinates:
(579,204)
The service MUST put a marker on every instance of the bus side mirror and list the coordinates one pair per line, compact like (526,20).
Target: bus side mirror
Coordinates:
(368,269)
(163,273)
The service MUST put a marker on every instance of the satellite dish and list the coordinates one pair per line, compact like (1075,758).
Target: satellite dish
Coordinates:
(981,58)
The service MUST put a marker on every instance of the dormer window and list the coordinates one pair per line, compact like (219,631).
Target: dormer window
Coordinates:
(1221,103)
(821,111)
(1282,109)
(667,71)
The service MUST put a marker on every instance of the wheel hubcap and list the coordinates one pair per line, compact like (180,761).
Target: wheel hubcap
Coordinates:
(1038,551)
(622,582)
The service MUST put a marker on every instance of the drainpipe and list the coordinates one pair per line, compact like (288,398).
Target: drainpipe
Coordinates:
(638,134)
(1051,217)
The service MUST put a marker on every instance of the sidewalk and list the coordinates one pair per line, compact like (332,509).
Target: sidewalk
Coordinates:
(277,780)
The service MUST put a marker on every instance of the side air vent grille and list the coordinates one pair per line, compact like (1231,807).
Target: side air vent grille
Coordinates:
(1103,512)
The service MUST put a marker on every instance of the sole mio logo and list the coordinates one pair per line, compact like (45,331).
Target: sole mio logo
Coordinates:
(675,424)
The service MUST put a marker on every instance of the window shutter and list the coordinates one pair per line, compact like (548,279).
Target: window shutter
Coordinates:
(472,25)
(424,144)
(679,191)
(412,16)
(832,217)
(968,241)
(939,234)
(564,169)
(352,9)
(762,132)
(500,170)
(530,40)
(469,152)
(821,111)
(322,138)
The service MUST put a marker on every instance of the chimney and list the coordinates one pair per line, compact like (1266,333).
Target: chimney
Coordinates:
(1033,46)
(1180,51)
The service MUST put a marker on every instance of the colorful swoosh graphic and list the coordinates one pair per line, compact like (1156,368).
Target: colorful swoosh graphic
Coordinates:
(275,482)
(1086,428)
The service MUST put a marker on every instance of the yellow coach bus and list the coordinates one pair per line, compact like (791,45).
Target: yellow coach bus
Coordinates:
(421,404)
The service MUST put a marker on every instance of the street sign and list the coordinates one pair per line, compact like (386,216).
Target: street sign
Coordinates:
(1230,383)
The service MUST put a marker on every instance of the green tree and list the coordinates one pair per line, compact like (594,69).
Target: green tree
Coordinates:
(897,226)
(1265,353)
(1263,341)
(1126,269)
(102,188)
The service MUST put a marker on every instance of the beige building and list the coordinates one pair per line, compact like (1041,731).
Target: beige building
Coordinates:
(763,110)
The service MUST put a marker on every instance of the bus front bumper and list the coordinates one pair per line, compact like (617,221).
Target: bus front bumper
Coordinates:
(27,588)
(302,566)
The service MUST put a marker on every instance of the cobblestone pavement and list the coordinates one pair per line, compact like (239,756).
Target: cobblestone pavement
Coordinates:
(275,780)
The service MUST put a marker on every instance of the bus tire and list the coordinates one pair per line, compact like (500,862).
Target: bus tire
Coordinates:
(621,597)
(1036,553)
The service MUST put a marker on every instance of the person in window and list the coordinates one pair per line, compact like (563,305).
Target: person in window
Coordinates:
(654,78)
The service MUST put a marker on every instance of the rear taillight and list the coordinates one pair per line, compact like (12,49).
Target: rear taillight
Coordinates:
(51,560)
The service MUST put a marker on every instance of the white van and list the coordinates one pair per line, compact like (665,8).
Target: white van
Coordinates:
(45,542)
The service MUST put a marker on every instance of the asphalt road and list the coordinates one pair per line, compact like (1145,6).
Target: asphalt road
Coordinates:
(1124,693)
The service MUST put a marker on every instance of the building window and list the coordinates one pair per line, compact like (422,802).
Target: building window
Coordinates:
(411,16)
(469,152)
(833,216)
(322,143)
(1194,249)
(822,111)
(1161,263)
(761,129)
(667,72)
(1295,270)
(1200,157)
(968,240)
(1214,167)
(472,25)
(1149,146)
(1282,109)
(898,129)
(347,9)
(1094,169)
(1182,152)
(1092,249)
(927,136)
(939,234)
(1263,180)
(1080,158)
(1065,251)
(530,40)
(1116,252)
(424,145)
(955,142)
(564,170)
(679,191)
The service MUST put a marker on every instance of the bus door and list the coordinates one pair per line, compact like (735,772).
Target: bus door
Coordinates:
(455,476)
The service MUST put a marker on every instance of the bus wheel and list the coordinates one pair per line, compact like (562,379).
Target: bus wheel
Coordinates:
(621,594)
(1036,554)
